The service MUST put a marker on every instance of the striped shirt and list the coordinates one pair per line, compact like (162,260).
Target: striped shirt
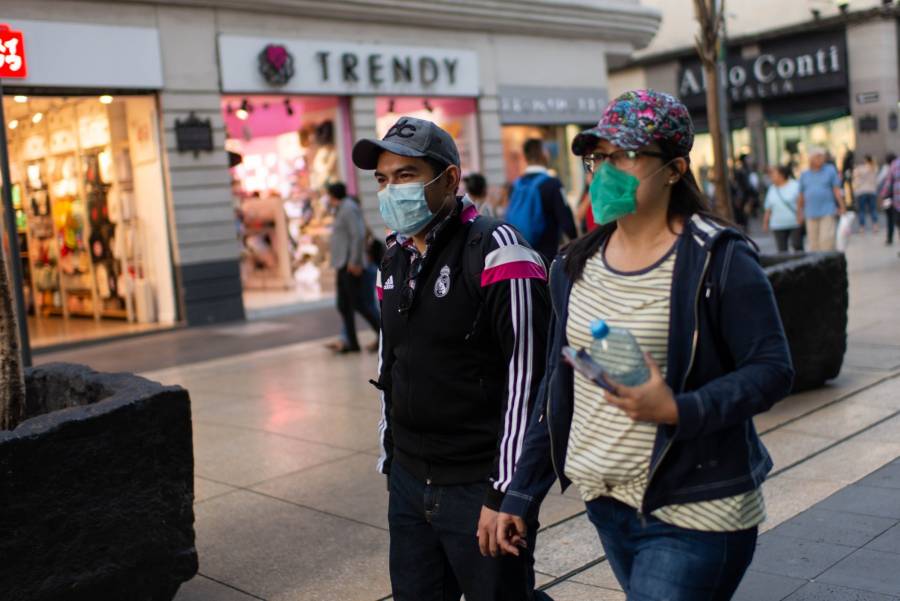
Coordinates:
(609,453)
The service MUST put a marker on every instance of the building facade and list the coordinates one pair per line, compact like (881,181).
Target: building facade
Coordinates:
(175,175)
(830,80)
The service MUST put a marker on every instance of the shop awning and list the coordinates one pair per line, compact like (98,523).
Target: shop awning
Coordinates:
(807,109)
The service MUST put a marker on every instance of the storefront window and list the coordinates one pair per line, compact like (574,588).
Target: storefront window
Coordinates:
(90,213)
(791,144)
(558,142)
(458,116)
(285,150)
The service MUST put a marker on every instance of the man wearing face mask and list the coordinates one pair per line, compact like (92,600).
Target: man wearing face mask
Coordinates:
(465,313)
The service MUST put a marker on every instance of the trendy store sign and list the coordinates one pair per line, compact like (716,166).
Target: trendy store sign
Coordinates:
(785,68)
(253,65)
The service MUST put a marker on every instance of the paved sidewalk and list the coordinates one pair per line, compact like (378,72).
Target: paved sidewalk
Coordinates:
(289,507)
(844,548)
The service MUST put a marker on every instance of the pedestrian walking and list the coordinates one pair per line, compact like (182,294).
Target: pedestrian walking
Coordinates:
(670,470)
(465,309)
(821,201)
(887,203)
(781,216)
(865,189)
(537,205)
(477,191)
(890,193)
(348,241)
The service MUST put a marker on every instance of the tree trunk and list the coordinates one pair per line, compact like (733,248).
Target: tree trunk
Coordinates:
(722,200)
(12,379)
(710,15)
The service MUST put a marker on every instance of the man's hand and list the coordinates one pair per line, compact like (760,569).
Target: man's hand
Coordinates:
(511,533)
(487,532)
(355,269)
(652,401)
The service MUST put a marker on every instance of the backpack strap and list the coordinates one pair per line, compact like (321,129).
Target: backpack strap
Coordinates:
(478,244)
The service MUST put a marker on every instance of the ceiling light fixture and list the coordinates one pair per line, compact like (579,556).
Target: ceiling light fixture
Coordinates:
(14,124)
(21,99)
(288,108)
(244,112)
(106,99)
(37,118)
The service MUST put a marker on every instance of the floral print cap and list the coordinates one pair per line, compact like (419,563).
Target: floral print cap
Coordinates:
(637,118)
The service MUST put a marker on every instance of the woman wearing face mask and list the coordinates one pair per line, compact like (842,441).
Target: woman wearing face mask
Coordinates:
(670,470)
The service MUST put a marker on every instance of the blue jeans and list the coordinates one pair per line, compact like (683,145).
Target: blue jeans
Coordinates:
(434,553)
(657,561)
(866,205)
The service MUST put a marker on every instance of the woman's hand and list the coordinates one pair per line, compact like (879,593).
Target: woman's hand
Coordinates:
(652,401)
(511,533)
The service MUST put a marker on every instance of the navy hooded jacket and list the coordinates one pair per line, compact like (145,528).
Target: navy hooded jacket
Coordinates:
(728,360)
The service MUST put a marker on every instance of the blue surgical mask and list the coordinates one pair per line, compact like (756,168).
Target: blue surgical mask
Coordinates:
(404,208)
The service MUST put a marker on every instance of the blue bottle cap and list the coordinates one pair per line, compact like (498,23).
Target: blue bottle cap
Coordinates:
(599,329)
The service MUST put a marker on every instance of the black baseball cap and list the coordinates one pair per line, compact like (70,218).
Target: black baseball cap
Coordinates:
(408,137)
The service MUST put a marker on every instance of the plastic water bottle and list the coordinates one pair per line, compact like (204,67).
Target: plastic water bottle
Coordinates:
(619,353)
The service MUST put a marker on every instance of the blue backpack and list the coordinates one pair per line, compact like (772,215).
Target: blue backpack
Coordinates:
(526,211)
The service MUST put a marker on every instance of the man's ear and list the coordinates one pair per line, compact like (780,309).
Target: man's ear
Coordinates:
(454,177)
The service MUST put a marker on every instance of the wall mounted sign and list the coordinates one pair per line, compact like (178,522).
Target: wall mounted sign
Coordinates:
(551,106)
(868,124)
(102,56)
(12,54)
(788,67)
(276,64)
(867,97)
(347,69)
(193,134)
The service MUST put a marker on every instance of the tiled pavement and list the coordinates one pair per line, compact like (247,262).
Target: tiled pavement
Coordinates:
(844,548)
(288,505)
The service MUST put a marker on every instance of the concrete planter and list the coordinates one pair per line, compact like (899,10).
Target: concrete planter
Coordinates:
(96,489)
(811,290)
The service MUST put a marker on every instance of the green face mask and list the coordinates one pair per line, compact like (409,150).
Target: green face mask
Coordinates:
(613,194)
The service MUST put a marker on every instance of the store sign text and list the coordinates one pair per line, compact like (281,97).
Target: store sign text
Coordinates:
(535,105)
(781,71)
(349,69)
(12,53)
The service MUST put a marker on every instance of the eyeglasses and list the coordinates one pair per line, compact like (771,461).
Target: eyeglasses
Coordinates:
(620,159)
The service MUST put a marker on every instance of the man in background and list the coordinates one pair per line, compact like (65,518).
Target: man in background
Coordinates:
(348,240)
(820,201)
(537,206)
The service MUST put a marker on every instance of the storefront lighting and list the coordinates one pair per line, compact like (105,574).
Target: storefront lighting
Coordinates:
(244,112)
(428,106)
(37,118)
(106,99)
(21,99)
(288,108)
(843,6)
(14,124)
(391,105)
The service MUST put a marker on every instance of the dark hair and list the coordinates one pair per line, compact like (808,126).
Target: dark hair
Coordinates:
(437,165)
(687,200)
(533,149)
(890,158)
(786,171)
(869,158)
(476,185)
(337,190)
